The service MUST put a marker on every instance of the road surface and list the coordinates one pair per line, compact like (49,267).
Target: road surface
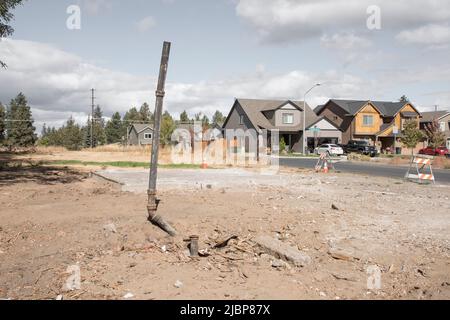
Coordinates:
(373,169)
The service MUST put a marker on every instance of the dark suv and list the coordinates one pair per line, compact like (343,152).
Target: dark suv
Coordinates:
(361,147)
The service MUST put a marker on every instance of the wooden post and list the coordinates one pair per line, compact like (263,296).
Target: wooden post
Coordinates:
(153,202)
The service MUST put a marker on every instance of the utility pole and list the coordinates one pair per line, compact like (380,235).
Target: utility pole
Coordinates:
(153,202)
(92,118)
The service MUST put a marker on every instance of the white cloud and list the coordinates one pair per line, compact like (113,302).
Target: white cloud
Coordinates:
(94,7)
(146,24)
(290,20)
(57,85)
(344,41)
(429,35)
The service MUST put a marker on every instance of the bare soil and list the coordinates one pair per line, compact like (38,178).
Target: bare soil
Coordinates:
(51,218)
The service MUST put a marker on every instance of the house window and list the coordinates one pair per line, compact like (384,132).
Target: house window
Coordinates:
(288,118)
(368,121)
(241,119)
(147,136)
(442,126)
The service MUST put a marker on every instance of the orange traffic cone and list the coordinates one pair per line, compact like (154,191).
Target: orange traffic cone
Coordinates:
(325,167)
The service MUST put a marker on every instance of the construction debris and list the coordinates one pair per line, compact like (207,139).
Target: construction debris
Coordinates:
(111,227)
(224,243)
(283,251)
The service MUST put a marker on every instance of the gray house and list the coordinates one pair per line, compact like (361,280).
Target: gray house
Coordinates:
(139,135)
(442,118)
(285,116)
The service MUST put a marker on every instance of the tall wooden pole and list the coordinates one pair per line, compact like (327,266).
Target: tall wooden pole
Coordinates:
(92,118)
(152,199)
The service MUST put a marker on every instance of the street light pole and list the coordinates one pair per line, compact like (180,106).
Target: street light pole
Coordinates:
(305,140)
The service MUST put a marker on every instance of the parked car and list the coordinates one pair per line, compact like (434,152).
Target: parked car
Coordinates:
(361,147)
(331,149)
(441,151)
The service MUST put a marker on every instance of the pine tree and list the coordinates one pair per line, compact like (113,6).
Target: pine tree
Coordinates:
(167,128)
(205,122)
(145,114)
(86,130)
(218,118)
(404,99)
(72,136)
(20,128)
(2,124)
(113,130)
(184,118)
(99,127)
(6,6)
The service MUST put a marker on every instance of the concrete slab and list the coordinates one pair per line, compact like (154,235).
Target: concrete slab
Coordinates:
(137,180)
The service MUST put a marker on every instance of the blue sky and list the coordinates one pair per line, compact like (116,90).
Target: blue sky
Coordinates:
(223,49)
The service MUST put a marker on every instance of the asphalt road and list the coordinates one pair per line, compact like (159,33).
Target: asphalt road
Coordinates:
(373,169)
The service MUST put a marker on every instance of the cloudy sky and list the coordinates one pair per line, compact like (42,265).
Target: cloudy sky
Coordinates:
(222,49)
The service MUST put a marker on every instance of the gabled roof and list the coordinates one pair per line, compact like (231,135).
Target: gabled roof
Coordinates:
(430,116)
(254,109)
(321,119)
(386,108)
(139,127)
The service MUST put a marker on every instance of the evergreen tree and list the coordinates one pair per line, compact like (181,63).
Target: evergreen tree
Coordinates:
(114,129)
(167,128)
(205,122)
(20,128)
(5,18)
(184,118)
(72,136)
(44,130)
(99,127)
(2,123)
(145,114)
(404,99)
(86,130)
(218,118)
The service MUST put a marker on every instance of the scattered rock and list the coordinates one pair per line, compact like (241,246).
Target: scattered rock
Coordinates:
(278,264)
(178,284)
(129,295)
(73,282)
(164,249)
(283,251)
(334,207)
(60,297)
(342,254)
(132,265)
(111,227)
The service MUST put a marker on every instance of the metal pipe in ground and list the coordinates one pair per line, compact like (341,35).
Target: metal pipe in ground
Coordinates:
(153,201)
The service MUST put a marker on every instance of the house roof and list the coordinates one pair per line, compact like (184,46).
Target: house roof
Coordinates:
(254,109)
(321,119)
(430,116)
(386,108)
(139,127)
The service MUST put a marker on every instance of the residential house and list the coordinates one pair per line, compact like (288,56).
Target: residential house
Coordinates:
(443,119)
(379,122)
(139,135)
(286,116)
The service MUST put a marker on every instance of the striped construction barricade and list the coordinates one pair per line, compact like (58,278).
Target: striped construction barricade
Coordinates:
(421,169)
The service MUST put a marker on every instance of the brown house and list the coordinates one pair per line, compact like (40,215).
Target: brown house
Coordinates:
(380,122)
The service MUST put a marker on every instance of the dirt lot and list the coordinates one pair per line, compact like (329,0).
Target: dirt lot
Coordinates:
(52,218)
